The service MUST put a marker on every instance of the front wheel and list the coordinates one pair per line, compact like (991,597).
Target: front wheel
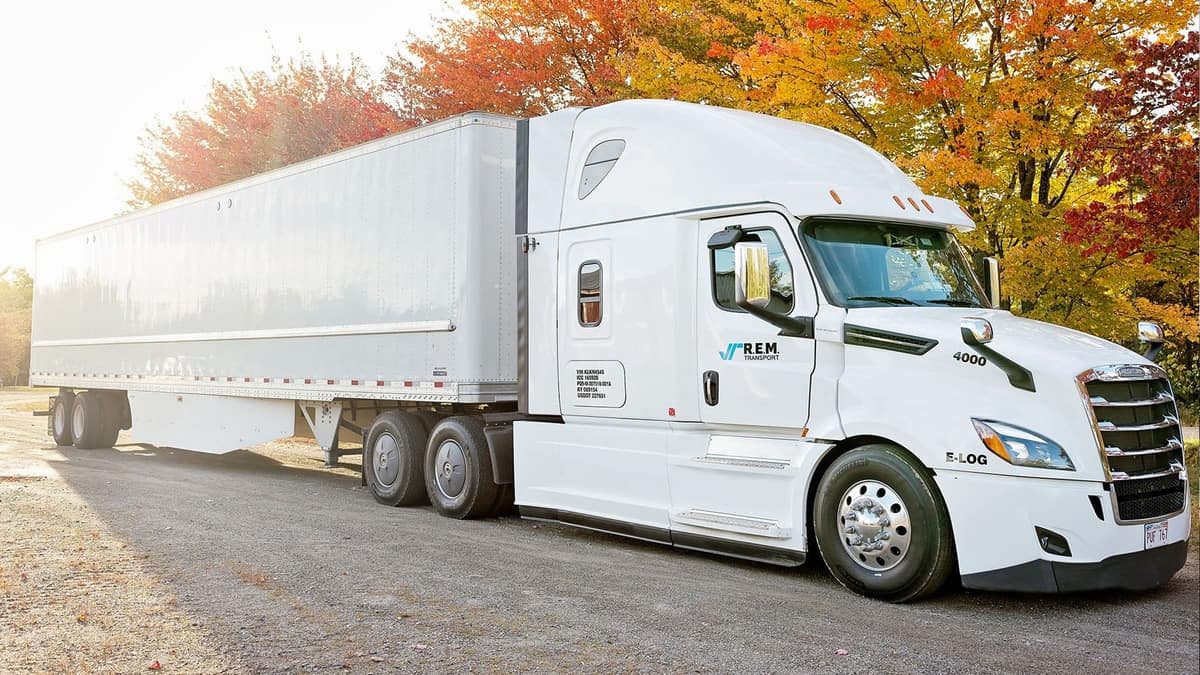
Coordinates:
(881,526)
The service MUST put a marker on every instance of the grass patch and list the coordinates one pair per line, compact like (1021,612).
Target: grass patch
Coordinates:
(27,406)
(39,403)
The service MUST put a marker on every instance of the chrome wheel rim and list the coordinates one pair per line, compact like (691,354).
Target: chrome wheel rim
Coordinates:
(60,419)
(77,421)
(385,457)
(874,525)
(450,468)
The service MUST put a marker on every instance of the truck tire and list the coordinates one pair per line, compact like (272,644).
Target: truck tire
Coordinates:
(116,415)
(881,525)
(60,422)
(89,424)
(458,469)
(393,459)
(112,425)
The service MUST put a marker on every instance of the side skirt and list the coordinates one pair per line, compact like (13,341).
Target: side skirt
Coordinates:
(658,535)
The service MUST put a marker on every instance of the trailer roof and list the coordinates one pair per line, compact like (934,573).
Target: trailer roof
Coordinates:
(391,140)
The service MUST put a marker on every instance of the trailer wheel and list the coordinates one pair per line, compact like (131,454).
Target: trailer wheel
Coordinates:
(61,418)
(881,526)
(89,424)
(393,459)
(112,426)
(458,469)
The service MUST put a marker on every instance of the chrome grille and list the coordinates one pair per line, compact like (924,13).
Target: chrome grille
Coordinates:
(1137,427)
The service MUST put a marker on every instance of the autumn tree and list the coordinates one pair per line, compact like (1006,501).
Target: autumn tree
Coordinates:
(518,57)
(992,103)
(16,302)
(1145,145)
(262,120)
(1144,215)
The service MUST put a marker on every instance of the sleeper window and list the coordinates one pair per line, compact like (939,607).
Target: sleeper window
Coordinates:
(782,292)
(591,298)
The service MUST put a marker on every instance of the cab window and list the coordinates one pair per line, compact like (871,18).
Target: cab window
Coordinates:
(591,297)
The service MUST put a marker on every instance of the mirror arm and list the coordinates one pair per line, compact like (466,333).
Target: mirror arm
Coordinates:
(1152,351)
(790,326)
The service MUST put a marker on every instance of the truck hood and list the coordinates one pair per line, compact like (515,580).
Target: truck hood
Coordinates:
(1041,347)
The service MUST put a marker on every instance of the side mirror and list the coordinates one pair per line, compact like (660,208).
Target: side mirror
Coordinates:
(1151,334)
(991,281)
(752,274)
(976,331)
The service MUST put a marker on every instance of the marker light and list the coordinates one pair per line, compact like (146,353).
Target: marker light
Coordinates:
(1021,447)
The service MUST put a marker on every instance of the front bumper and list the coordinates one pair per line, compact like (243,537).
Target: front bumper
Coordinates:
(995,519)
(1137,571)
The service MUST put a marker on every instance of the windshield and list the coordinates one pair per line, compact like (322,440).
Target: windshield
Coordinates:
(876,264)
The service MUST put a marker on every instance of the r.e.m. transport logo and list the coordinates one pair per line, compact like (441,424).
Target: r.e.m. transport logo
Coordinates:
(751,351)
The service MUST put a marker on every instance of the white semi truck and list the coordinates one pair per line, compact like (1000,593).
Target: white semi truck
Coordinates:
(697,326)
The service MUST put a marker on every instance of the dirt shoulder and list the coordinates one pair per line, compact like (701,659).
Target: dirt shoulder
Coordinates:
(75,596)
(264,562)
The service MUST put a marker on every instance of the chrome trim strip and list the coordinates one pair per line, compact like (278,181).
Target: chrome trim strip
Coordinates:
(266,334)
(1175,468)
(1167,421)
(732,523)
(752,462)
(1132,372)
(1172,445)
(1081,381)
(1101,402)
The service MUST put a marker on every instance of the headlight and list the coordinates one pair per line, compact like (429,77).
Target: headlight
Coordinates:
(1021,447)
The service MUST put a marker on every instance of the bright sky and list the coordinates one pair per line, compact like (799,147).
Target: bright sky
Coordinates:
(82,81)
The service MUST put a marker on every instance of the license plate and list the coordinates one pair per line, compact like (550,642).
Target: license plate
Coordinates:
(1156,534)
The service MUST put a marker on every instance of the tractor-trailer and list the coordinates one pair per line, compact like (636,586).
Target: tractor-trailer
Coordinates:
(703,327)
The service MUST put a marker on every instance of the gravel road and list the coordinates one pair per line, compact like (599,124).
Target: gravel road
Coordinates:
(118,560)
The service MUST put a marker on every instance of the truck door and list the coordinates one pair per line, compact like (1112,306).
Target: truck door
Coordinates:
(747,374)
(736,477)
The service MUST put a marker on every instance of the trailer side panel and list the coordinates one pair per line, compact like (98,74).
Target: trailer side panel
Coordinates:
(378,272)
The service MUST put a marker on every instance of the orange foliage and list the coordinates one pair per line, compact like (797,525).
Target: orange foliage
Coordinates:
(519,57)
(261,121)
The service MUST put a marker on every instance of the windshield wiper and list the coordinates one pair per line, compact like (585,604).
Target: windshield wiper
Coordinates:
(886,299)
(952,302)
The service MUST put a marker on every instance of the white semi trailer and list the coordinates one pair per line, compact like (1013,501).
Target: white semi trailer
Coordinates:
(691,325)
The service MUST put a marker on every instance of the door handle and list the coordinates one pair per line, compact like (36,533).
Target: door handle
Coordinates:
(712,387)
